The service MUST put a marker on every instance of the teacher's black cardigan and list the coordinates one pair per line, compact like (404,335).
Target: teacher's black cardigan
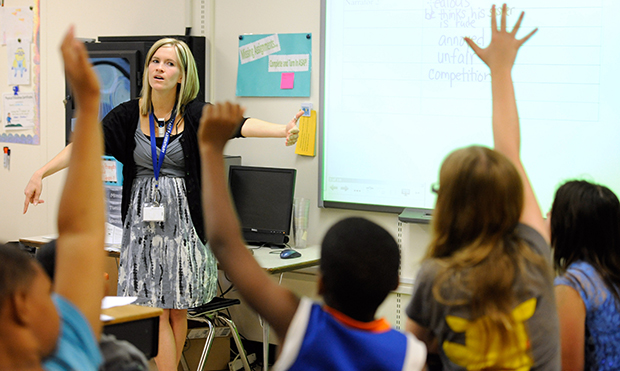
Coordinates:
(119,127)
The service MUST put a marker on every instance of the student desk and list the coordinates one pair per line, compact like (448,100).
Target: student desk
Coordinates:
(137,324)
(111,261)
(38,241)
(270,260)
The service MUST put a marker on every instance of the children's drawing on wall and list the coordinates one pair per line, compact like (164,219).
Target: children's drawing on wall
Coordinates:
(20,92)
(17,23)
(18,111)
(18,54)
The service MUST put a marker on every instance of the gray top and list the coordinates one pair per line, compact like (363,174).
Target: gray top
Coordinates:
(164,264)
(174,162)
(456,333)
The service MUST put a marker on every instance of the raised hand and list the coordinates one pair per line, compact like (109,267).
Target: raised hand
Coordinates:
(292,131)
(502,50)
(218,122)
(78,70)
(81,212)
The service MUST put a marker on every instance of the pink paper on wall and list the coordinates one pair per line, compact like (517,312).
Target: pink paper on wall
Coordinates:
(288,80)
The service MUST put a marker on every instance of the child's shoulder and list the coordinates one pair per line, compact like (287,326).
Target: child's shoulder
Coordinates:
(534,239)
(318,333)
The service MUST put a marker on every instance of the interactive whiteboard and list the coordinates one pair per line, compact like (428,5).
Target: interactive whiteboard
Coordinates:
(401,89)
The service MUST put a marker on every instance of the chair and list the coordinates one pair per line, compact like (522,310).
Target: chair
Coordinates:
(208,313)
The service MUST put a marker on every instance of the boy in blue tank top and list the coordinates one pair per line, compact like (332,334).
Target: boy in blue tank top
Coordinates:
(359,268)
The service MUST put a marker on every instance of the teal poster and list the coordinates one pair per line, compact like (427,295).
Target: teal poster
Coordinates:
(276,65)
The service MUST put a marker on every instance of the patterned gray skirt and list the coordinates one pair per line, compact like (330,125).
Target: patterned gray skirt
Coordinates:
(165,264)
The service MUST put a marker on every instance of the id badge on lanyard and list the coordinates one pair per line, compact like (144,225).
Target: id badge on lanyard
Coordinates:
(153,210)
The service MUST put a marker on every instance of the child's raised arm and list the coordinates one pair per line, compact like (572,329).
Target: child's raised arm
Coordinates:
(273,302)
(81,218)
(500,56)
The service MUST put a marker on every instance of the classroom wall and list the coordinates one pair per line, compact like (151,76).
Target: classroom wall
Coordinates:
(233,18)
(91,18)
(221,21)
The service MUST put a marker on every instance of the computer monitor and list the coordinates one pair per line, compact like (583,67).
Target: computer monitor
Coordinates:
(263,197)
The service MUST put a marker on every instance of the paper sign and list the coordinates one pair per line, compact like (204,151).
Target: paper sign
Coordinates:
(116,301)
(109,171)
(286,63)
(18,111)
(288,80)
(307,135)
(306,107)
(259,49)
(112,171)
(16,23)
(113,236)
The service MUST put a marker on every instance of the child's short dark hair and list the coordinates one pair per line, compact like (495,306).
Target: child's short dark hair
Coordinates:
(359,265)
(46,256)
(17,270)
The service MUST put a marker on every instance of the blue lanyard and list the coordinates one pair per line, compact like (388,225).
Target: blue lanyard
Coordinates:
(162,153)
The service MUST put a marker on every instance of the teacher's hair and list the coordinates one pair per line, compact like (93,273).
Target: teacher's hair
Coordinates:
(585,225)
(187,90)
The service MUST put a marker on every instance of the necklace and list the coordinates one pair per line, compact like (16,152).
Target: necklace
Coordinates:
(161,127)
(161,123)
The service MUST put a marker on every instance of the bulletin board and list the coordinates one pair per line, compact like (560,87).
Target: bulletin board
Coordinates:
(276,65)
(20,87)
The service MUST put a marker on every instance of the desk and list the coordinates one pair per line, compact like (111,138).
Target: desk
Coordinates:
(269,259)
(38,241)
(137,324)
(111,261)
(273,264)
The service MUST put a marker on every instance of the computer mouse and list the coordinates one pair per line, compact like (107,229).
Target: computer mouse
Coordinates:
(289,254)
